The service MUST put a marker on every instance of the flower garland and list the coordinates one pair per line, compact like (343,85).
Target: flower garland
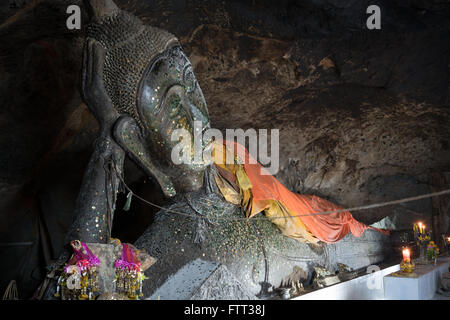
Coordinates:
(79,279)
(129,276)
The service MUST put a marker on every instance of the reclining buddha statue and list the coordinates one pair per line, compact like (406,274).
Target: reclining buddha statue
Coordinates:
(140,86)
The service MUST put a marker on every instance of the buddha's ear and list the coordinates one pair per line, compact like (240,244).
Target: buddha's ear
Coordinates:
(127,134)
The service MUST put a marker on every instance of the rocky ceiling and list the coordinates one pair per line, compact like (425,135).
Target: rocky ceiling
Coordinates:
(363,114)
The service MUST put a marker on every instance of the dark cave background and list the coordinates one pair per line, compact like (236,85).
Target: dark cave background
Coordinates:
(363,114)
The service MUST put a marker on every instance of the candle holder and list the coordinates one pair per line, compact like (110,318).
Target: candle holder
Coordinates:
(407,265)
(422,236)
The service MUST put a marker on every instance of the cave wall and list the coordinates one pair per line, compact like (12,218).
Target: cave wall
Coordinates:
(363,115)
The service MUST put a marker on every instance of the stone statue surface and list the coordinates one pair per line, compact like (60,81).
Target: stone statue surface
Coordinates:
(140,86)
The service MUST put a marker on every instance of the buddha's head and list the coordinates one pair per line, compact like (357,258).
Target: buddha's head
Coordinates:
(151,84)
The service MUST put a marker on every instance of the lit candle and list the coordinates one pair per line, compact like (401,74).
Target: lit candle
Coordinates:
(421,227)
(406,255)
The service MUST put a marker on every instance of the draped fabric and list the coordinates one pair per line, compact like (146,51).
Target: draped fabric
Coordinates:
(292,213)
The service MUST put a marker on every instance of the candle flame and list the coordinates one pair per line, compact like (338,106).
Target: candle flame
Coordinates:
(406,254)
(421,227)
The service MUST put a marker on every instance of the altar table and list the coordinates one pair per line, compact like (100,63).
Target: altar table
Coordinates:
(421,285)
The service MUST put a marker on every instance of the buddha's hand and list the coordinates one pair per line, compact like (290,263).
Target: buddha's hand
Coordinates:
(93,89)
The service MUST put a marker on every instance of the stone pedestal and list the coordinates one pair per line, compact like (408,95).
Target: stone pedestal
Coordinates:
(108,254)
(202,280)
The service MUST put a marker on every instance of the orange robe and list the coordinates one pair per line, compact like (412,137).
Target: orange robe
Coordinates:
(292,213)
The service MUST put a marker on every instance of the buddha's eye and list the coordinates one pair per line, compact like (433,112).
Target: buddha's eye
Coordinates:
(158,66)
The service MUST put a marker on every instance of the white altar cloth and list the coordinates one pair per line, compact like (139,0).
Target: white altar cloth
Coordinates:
(422,287)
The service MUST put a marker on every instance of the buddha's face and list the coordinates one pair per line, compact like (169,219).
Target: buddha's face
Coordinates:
(170,98)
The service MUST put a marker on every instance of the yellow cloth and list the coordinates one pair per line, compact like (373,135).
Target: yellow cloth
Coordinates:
(293,228)
(227,190)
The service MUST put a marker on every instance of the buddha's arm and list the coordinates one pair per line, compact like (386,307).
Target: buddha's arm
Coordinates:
(96,201)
